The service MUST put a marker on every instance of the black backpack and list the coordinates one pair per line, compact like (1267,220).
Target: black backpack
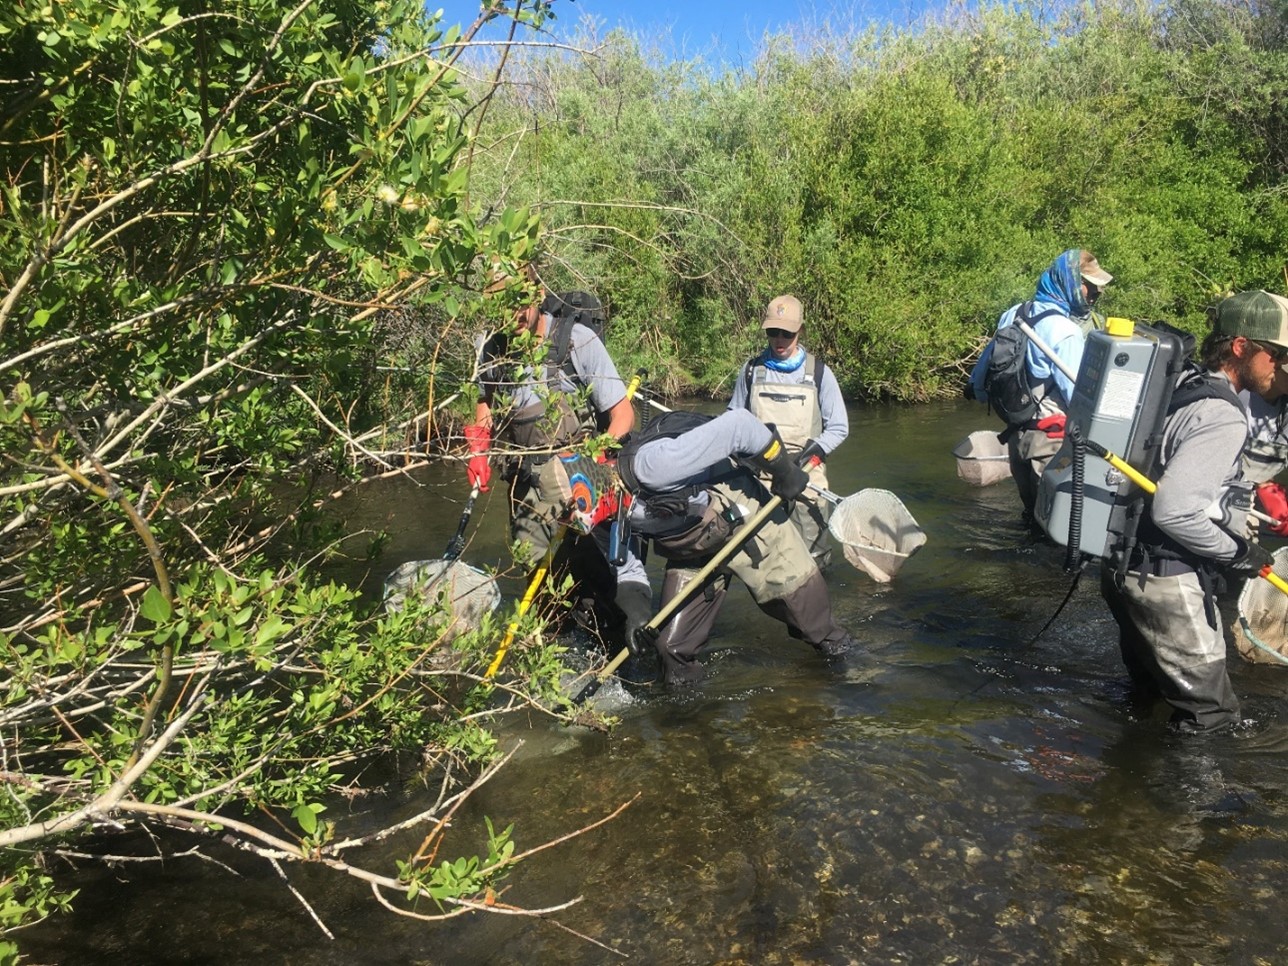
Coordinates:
(666,426)
(568,309)
(1006,379)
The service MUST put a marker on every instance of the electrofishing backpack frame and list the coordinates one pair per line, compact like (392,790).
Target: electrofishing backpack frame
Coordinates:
(1120,400)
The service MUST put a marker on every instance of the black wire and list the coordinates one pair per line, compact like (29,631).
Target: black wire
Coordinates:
(1077,576)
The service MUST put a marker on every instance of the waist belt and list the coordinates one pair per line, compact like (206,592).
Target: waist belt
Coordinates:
(1159,566)
(1212,582)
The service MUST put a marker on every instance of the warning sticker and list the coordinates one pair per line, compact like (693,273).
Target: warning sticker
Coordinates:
(1122,390)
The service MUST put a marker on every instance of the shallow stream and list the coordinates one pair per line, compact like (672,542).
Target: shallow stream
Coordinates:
(956,793)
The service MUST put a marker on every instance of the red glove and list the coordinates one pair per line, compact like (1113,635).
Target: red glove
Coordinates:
(1052,425)
(479,471)
(1274,501)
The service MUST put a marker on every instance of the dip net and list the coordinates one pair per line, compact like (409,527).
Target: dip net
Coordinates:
(877,532)
(1261,632)
(465,593)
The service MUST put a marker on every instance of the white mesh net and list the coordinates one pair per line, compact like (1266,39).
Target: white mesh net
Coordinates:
(877,532)
(982,459)
(1261,632)
(464,592)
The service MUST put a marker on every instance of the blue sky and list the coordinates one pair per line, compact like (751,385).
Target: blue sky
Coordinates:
(715,29)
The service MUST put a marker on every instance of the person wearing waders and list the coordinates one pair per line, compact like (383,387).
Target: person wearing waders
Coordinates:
(1162,596)
(791,389)
(534,408)
(690,482)
(1060,314)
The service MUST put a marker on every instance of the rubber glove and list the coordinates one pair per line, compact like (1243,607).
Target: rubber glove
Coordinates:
(479,471)
(811,456)
(1052,425)
(1274,501)
(1250,559)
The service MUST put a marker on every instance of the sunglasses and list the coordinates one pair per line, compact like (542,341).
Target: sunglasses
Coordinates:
(1277,353)
(780,334)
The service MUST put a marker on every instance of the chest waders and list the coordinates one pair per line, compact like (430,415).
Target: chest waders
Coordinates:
(1264,459)
(792,407)
(549,423)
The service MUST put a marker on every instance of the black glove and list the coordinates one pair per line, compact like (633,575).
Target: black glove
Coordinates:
(786,479)
(811,455)
(643,640)
(1250,559)
(635,600)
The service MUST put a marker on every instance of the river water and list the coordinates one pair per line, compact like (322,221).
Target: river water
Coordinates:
(957,792)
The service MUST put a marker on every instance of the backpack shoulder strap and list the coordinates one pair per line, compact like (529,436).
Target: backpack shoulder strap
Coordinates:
(814,367)
(559,337)
(1199,384)
(749,377)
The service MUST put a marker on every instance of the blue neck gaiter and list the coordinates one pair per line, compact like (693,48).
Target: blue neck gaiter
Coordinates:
(790,364)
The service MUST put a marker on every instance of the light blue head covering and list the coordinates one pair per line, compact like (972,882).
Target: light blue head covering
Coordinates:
(1061,284)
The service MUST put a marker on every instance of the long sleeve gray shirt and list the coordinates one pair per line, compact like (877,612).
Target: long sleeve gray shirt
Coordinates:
(668,465)
(1201,449)
(590,361)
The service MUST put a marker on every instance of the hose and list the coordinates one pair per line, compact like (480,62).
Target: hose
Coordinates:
(1073,550)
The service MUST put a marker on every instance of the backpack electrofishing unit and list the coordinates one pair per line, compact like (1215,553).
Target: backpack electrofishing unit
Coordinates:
(1120,400)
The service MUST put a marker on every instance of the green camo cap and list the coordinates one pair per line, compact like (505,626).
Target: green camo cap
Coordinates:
(1254,315)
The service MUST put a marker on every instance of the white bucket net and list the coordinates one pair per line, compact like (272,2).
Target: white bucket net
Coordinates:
(467,594)
(982,459)
(877,532)
(1261,632)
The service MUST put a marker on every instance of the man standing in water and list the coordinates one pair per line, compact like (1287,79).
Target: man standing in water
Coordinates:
(1060,314)
(791,389)
(1163,595)
(539,407)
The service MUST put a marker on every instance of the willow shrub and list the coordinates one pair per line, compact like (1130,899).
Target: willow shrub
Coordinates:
(204,219)
(908,186)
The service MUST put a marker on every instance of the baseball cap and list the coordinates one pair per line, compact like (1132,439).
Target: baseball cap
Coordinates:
(1254,315)
(784,313)
(1092,272)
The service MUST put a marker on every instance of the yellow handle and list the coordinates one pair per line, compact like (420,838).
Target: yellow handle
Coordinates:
(1129,471)
(633,386)
(525,604)
(1274,578)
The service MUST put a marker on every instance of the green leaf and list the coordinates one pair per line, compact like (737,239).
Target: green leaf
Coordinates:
(306,817)
(155,607)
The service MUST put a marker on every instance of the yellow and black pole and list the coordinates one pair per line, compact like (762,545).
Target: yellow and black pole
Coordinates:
(539,575)
(732,545)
